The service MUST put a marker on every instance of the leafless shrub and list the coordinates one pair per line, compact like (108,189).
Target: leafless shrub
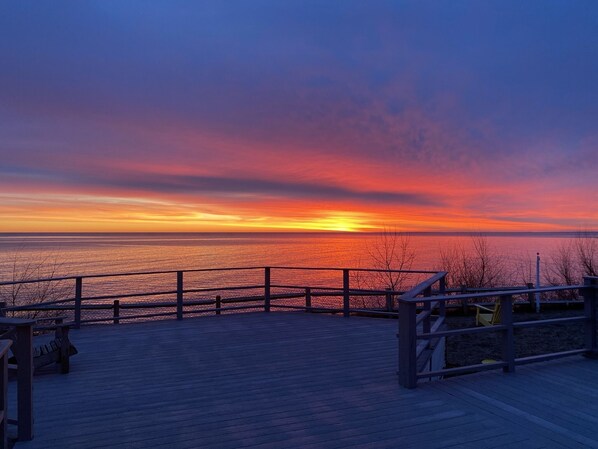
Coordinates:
(474,265)
(587,253)
(524,270)
(563,269)
(31,293)
(562,266)
(391,251)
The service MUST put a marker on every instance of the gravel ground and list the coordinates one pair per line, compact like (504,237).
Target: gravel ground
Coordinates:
(472,349)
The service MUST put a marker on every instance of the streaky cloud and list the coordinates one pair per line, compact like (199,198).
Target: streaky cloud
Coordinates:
(244,187)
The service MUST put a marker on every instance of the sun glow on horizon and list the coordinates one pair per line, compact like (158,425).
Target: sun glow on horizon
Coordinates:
(105,213)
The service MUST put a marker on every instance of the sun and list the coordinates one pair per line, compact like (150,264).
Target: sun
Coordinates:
(340,222)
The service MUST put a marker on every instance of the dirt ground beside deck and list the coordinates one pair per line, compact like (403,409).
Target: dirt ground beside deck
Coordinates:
(472,349)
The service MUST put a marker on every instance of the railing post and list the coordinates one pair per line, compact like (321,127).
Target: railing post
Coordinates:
(427,307)
(389,300)
(308,299)
(62,332)
(23,351)
(442,292)
(589,300)
(218,304)
(179,295)
(346,297)
(2,307)
(78,296)
(116,311)
(407,344)
(508,341)
(530,296)
(266,289)
(464,305)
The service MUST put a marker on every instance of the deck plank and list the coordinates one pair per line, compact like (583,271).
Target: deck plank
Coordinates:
(294,380)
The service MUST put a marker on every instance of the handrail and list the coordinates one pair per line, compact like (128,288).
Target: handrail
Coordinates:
(410,333)
(205,270)
(372,270)
(496,293)
(131,273)
(316,292)
(419,289)
(81,303)
(465,289)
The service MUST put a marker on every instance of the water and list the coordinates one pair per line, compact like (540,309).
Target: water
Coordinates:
(85,254)
(52,255)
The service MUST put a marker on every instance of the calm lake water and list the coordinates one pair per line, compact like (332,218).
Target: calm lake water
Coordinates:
(89,254)
(85,254)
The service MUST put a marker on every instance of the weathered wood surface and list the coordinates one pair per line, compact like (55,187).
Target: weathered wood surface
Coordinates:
(296,380)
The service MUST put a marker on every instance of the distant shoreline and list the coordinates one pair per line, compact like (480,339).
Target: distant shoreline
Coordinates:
(314,233)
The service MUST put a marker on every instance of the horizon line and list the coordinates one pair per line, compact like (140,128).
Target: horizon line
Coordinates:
(324,232)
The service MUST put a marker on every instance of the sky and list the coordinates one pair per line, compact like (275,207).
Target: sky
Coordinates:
(269,115)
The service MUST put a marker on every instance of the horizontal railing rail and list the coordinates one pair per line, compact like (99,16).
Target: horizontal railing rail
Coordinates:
(412,332)
(131,273)
(207,270)
(365,270)
(197,299)
(465,289)
(80,303)
(117,303)
(495,293)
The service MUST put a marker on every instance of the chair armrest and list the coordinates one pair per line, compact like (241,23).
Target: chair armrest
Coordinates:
(59,326)
(481,307)
(56,319)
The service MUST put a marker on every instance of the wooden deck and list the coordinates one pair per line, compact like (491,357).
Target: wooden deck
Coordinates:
(295,380)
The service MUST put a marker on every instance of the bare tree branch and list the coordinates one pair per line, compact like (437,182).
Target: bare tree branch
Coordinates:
(31,268)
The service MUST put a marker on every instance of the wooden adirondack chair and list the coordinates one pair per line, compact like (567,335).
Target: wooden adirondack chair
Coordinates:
(57,350)
(486,316)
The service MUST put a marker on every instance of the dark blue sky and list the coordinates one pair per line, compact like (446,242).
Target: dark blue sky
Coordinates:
(423,114)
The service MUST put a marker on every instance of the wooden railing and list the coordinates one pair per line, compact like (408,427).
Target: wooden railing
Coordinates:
(410,320)
(416,333)
(264,296)
(421,310)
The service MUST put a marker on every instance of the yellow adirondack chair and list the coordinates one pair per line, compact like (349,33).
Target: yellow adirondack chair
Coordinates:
(485,316)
